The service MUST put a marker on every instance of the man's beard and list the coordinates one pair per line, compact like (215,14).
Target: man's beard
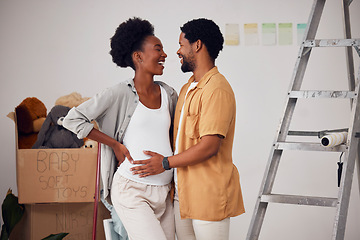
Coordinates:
(188,65)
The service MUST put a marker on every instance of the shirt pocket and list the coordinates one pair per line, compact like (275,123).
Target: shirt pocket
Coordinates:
(192,126)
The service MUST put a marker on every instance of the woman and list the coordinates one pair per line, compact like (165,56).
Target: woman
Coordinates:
(133,116)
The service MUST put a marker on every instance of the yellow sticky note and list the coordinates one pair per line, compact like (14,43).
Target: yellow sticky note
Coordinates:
(251,34)
(232,34)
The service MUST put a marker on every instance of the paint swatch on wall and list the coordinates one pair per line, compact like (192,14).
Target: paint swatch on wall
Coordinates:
(285,34)
(232,34)
(251,34)
(301,27)
(269,34)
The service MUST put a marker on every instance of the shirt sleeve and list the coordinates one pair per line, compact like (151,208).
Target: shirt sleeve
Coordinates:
(78,120)
(218,110)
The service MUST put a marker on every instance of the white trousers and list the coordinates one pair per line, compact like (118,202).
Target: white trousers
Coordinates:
(145,210)
(192,229)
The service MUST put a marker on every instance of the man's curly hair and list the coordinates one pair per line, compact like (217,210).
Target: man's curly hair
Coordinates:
(207,31)
(128,38)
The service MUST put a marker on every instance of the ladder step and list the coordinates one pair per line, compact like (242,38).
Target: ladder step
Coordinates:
(318,134)
(321,94)
(308,147)
(332,43)
(300,200)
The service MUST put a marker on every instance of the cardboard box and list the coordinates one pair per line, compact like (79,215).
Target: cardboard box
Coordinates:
(41,220)
(55,175)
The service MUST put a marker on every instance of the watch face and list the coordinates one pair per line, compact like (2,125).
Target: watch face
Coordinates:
(165,163)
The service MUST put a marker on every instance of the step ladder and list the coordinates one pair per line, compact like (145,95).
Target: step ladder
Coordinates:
(349,149)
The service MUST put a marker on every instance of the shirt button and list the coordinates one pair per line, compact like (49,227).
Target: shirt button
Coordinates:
(129,116)
(136,101)
(121,131)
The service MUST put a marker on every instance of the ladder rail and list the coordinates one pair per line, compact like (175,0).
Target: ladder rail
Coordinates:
(349,163)
(358,155)
(274,159)
(348,50)
(350,65)
(300,66)
(347,174)
(310,32)
(266,186)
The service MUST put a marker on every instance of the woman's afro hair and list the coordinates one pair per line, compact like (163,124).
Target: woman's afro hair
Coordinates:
(208,32)
(129,37)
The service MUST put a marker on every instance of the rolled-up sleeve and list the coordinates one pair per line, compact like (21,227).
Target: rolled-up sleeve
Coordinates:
(77,123)
(78,120)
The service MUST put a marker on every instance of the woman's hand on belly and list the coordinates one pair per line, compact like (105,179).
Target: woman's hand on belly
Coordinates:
(121,152)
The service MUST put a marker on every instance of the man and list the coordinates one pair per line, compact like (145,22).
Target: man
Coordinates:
(207,188)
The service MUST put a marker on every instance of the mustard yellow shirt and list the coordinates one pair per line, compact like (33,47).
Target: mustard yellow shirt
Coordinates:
(209,190)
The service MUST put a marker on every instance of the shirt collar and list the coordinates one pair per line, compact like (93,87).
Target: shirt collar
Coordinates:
(130,83)
(205,78)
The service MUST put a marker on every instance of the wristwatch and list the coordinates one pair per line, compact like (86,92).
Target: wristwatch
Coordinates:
(165,163)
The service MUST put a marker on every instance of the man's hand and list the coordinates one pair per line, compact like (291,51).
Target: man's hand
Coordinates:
(121,152)
(151,166)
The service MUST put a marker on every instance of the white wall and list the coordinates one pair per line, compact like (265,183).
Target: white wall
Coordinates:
(51,48)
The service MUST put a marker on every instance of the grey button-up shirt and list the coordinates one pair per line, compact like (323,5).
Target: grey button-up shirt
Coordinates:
(112,109)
